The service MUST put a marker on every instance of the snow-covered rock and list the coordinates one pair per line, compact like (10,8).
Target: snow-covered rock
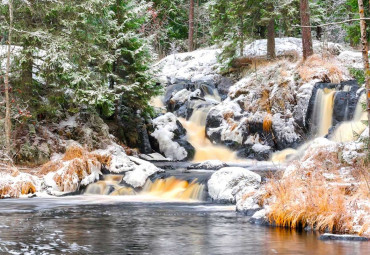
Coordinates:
(142,171)
(171,137)
(223,184)
(119,161)
(153,157)
(208,165)
(71,174)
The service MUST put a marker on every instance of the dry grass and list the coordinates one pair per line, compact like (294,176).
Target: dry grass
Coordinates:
(301,203)
(326,69)
(51,166)
(267,123)
(318,195)
(228,115)
(16,189)
(264,101)
(28,188)
(74,151)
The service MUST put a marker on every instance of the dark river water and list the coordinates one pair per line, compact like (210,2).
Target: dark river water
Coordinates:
(134,225)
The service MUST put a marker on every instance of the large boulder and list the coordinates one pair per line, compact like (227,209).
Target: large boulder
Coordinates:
(142,171)
(171,138)
(225,184)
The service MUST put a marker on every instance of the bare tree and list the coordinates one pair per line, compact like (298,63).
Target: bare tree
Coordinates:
(7,87)
(191,25)
(365,56)
(306,29)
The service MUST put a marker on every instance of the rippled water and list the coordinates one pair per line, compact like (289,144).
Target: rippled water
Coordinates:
(125,225)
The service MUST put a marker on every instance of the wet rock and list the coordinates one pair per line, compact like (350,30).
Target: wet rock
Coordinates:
(260,218)
(333,237)
(133,129)
(256,151)
(223,87)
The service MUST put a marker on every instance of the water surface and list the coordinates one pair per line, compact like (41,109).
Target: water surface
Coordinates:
(139,225)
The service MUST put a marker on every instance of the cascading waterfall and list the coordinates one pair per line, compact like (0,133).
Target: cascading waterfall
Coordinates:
(322,116)
(204,148)
(349,130)
(170,188)
(323,111)
(196,132)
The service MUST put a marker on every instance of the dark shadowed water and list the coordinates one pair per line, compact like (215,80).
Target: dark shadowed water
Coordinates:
(122,225)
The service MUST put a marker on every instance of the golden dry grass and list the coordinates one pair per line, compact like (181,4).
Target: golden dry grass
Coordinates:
(315,65)
(317,195)
(267,123)
(74,151)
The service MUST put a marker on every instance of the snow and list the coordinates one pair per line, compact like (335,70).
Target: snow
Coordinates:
(12,183)
(286,45)
(141,172)
(69,122)
(165,126)
(199,65)
(284,129)
(260,148)
(351,152)
(209,165)
(351,59)
(120,162)
(222,183)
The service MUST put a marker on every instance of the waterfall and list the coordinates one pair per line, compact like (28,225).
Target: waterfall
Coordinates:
(323,111)
(172,188)
(204,148)
(169,188)
(349,130)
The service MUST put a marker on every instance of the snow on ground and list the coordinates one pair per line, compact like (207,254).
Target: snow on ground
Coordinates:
(288,44)
(198,65)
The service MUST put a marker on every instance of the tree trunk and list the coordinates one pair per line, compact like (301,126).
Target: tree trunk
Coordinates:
(241,33)
(306,30)
(191,25)
(365,57)
(26,78)
(271,39)
(8,123)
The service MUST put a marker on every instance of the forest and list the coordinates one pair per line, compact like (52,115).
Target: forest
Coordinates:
(230,113)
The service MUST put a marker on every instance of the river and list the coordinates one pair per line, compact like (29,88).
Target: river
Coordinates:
(141,225)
